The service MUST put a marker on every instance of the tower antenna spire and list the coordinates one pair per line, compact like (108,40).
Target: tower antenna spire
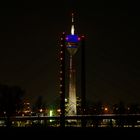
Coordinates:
(72,26)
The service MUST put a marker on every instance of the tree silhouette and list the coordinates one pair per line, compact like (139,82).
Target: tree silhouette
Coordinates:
(134,108)
(11,101)
(39,105)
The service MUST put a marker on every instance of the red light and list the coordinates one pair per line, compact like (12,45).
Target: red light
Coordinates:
(79,38)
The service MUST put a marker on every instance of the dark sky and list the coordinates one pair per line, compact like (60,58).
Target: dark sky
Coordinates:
(29,36)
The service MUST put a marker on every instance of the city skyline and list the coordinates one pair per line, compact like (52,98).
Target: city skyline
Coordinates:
(29,48)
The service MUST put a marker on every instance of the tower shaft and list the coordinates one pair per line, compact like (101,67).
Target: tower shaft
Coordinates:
(72,89)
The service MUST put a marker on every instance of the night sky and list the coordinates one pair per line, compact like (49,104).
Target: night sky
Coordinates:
(29,37)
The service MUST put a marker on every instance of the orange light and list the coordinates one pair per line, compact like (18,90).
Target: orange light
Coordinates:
(106,109)
(58,110)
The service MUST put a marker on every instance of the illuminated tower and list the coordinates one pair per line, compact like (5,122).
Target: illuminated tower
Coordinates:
(72,43)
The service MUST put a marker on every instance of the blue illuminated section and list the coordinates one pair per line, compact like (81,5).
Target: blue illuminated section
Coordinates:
(72,41)
(72,38)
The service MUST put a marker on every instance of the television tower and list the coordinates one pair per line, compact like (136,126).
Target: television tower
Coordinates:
(72,44)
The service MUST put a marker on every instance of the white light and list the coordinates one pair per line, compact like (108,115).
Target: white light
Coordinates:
(51,113)
(72,29)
